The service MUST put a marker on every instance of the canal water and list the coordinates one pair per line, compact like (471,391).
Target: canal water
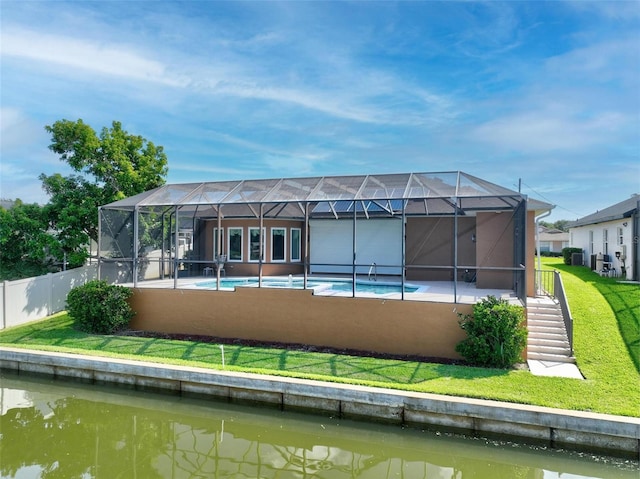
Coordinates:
(59,429)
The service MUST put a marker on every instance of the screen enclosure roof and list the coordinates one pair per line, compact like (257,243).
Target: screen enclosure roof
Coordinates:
(385,191)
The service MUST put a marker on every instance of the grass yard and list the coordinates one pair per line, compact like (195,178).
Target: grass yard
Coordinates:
(601,308)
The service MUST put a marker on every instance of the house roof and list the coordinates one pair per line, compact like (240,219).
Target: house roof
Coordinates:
(421,193)
(554,235)
(624,209)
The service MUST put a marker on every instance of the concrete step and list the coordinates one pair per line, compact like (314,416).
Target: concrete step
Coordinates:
(547,339)
(545,319)
(548,342)
(547,335)
(544,310)
(550,357)
(552,350)
(546,328)
(538,315)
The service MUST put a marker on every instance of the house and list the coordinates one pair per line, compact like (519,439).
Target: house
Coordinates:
(612,233)
(442,231)
(552,240)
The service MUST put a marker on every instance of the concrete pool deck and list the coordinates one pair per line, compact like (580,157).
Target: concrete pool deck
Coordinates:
(433,291)
(556,428)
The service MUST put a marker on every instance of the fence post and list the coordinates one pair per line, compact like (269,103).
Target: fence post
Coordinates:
(5,285)
(50,300)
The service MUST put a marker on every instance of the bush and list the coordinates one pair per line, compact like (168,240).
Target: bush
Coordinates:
(100,308)
(496,336)
(568,252)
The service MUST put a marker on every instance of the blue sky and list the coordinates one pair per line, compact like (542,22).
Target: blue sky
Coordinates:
(546,92)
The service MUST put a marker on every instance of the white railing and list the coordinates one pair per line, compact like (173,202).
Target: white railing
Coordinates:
(30,299)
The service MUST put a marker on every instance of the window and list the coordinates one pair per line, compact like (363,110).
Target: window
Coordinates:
(591,245)
(605,241)
(296,237)
(620,236)
(254,244)
(235,244)
(215,242)
(278,242)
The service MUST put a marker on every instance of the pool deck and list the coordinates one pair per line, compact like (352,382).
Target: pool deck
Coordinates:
(435,291)
(555,428)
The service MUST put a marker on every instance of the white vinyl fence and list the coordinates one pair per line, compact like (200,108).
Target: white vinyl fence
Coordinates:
(29,299)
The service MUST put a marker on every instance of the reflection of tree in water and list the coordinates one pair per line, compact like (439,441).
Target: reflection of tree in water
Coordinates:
(68,444)
(80,439)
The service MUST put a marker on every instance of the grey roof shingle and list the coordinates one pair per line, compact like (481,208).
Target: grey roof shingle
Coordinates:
(624,209)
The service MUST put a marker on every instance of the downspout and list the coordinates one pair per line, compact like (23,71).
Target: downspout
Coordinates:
(538,218)
(537,221)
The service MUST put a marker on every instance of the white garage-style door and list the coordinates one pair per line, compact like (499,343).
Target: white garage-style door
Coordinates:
(377,241)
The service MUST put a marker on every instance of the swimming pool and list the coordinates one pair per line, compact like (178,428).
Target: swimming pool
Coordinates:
(320,285)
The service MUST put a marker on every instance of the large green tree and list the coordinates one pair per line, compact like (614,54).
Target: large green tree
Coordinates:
(27,248)
(109,166)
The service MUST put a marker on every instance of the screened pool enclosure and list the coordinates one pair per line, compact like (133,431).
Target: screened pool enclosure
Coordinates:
(447,226)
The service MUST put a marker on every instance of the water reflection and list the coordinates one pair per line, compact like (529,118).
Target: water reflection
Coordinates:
(51,429)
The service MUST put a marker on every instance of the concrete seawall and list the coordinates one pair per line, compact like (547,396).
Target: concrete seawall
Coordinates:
(616,435)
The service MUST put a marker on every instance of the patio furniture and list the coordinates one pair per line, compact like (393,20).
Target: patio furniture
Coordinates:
(219,264)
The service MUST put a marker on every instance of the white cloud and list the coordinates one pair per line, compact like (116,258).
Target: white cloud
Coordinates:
(92,56)
(546,130)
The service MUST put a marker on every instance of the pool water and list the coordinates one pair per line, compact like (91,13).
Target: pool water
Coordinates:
(325,285)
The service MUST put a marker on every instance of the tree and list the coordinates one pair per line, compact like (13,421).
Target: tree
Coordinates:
(27,248)
(562,225)
(109,167)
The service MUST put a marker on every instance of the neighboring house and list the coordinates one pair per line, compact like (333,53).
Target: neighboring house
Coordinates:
(612,232)
(552,240)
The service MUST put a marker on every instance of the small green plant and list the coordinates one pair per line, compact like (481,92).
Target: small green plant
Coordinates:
(496,336)
(98,307)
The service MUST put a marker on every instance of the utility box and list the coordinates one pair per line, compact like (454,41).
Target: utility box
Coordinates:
(577,259)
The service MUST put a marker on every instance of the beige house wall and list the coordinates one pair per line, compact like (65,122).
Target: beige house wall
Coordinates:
(429,241)
(299,317)
(494,248)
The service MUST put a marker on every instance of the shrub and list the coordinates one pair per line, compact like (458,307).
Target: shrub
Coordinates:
(568,252)
(496,336)
(100,308)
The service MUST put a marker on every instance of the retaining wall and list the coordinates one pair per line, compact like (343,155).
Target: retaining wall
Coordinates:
(298,317)
(615,435)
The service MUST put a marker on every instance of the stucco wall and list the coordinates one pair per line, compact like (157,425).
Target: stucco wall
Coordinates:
(298,317)
(430,242)
(581,238)
(494,248)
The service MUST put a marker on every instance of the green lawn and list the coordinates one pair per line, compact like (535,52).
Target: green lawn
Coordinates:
(612,384)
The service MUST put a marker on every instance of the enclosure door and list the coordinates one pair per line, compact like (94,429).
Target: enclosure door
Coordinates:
(378,241)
